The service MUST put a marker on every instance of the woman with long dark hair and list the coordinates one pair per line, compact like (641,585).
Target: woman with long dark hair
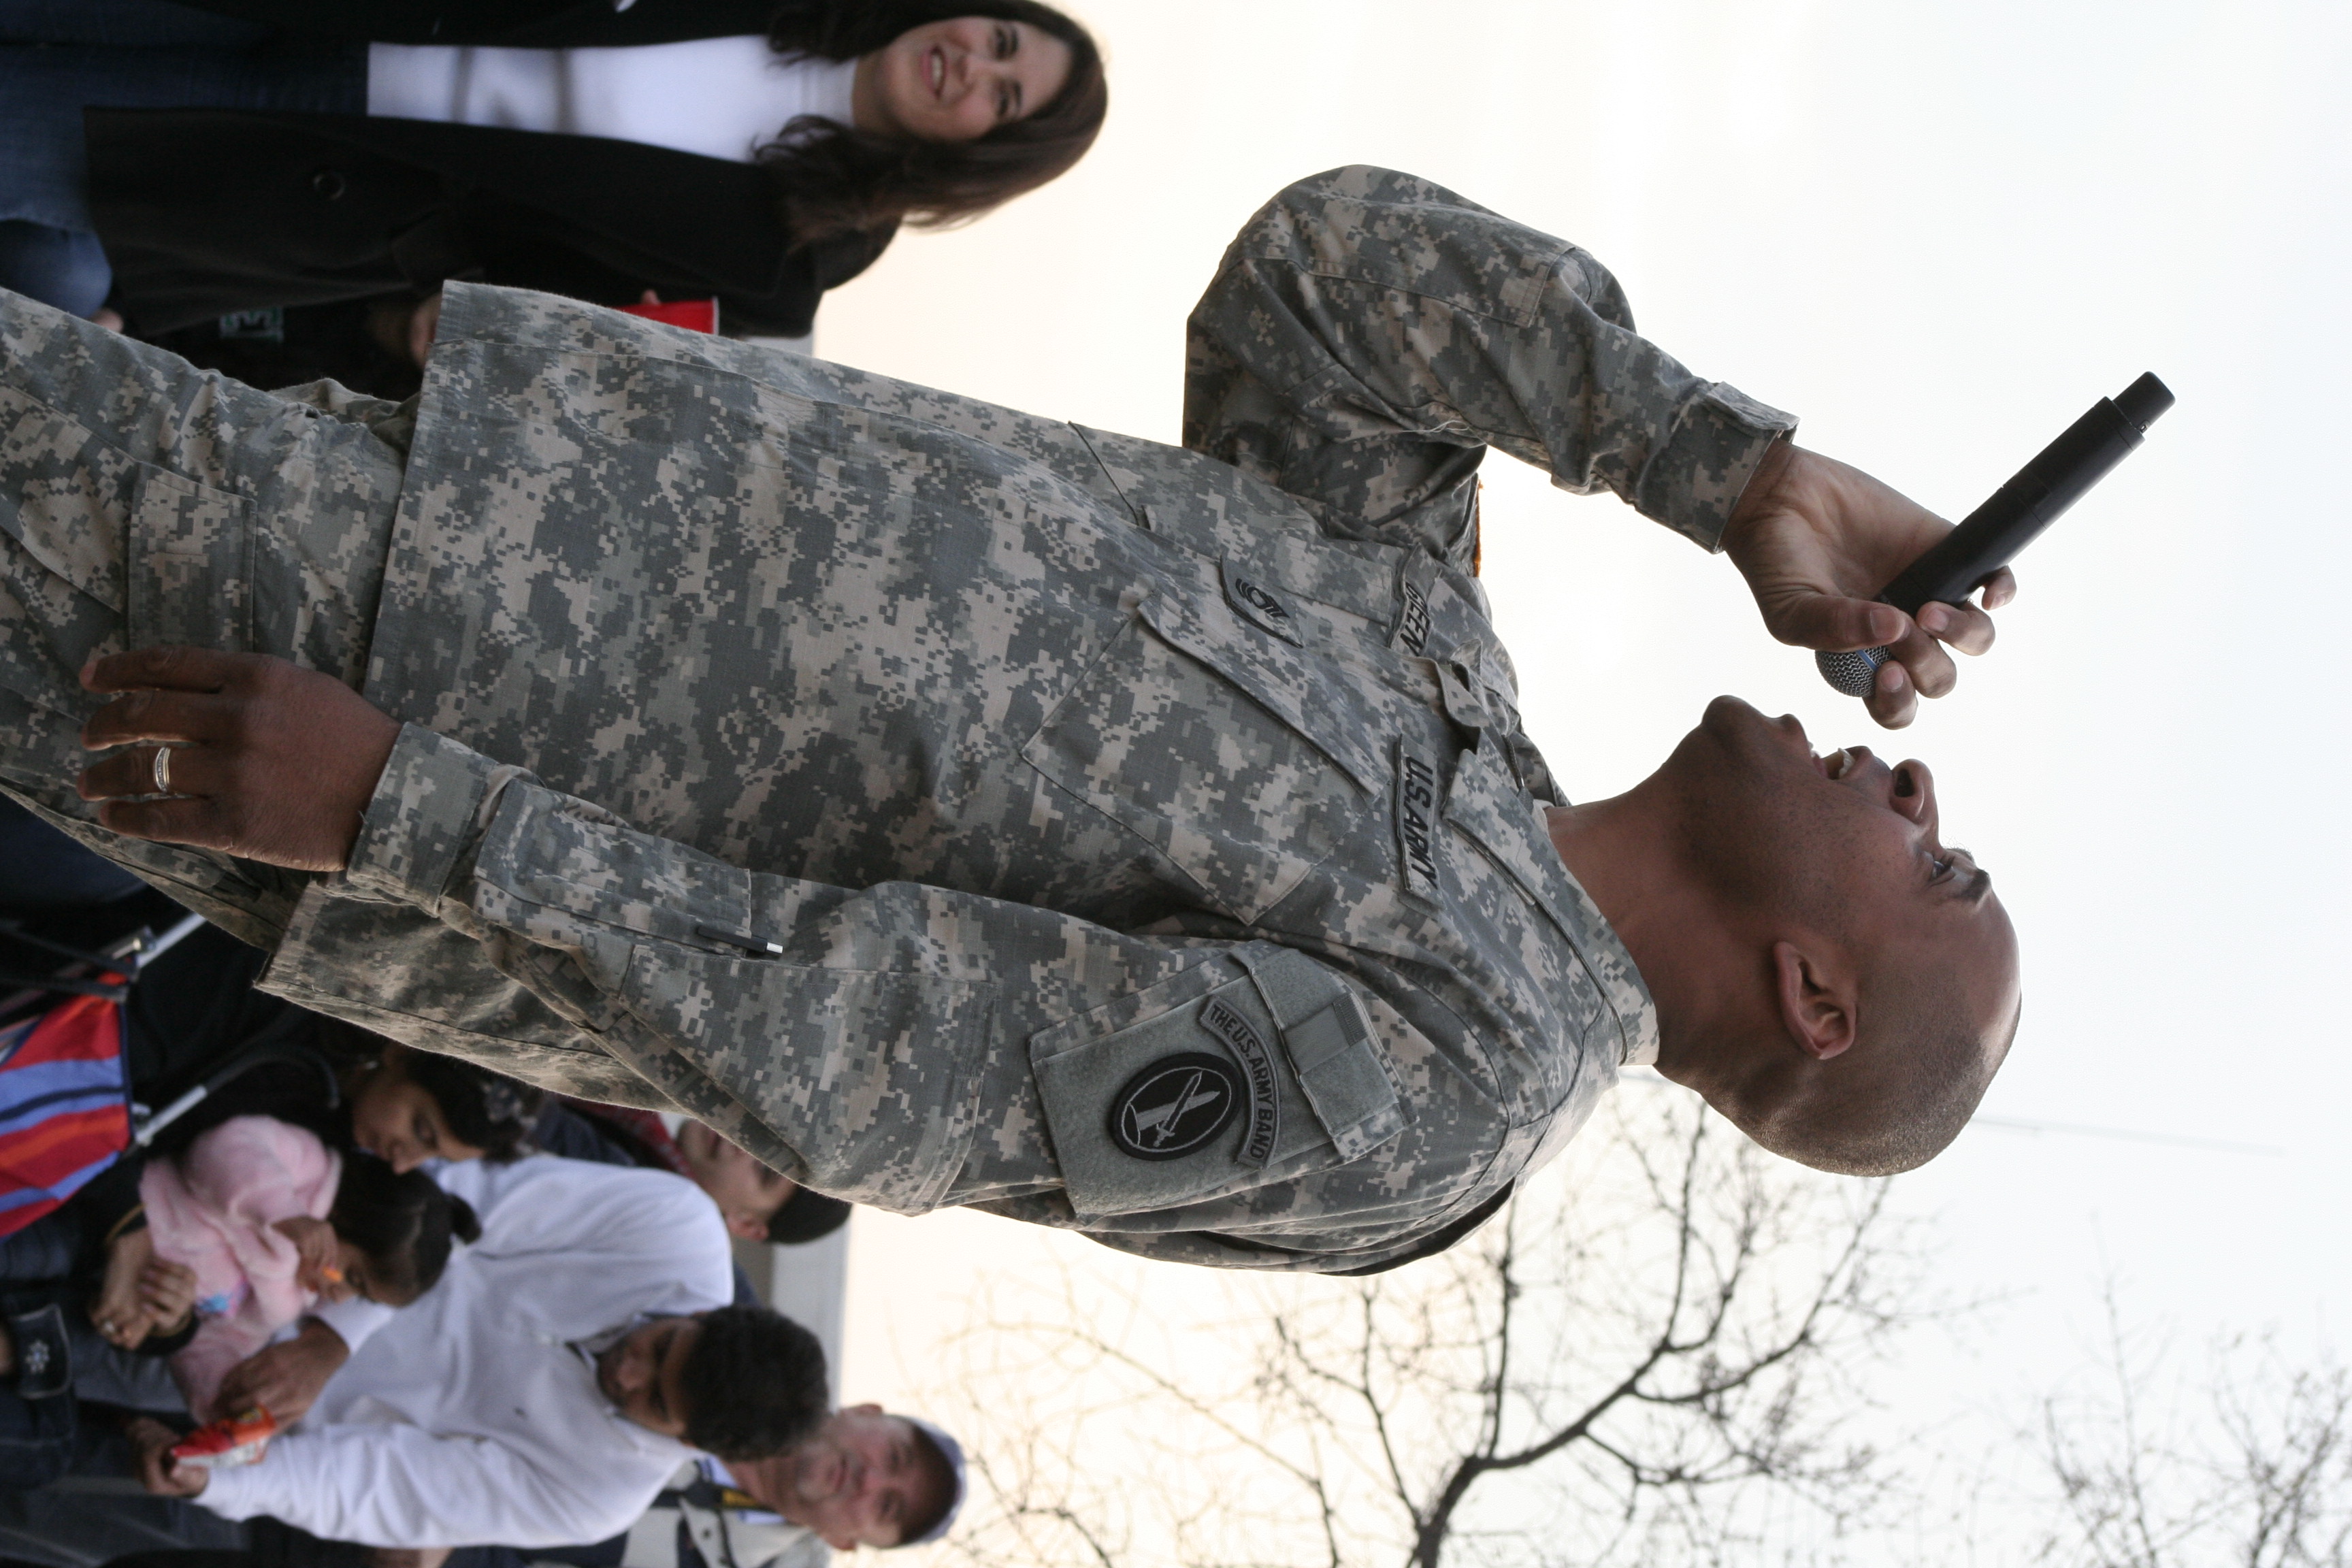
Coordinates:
(202,167)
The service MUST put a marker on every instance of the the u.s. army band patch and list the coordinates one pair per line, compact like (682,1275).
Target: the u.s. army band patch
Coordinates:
(1416,821)
(1265,1103)
(1176,1105)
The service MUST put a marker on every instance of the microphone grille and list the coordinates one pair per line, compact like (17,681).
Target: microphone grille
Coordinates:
(1854,673)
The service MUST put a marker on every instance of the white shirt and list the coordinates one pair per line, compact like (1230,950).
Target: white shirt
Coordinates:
(722,97)
(469,1416)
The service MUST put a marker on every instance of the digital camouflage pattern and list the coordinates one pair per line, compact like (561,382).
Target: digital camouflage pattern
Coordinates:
(891,780)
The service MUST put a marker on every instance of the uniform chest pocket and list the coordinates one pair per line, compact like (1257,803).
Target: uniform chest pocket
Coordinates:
(1226,1077)
(1234,753)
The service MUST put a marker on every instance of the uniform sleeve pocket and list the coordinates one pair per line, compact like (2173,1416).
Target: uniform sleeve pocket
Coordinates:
(1328,1036)
(1192,1090)
(563,853)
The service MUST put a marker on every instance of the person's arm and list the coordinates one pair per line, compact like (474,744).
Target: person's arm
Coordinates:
(899,989)
(396,1485)
(1369,335)
(596,1220)
(285,1378)
(841,1035)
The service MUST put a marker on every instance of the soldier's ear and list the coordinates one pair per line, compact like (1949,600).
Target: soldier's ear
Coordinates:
(1818,996)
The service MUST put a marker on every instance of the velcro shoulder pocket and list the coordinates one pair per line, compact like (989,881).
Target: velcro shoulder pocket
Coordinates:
(1328,1036)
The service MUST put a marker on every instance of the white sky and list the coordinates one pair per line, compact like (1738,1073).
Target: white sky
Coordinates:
(1938,231)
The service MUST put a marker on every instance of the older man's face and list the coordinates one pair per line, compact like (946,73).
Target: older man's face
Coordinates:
(867,1479)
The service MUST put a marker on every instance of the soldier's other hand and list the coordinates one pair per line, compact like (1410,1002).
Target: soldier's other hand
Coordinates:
(151,1442)
(1817,540)
(267,760)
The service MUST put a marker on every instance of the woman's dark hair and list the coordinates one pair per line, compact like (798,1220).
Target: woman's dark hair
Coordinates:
(404,1224)
(487,1109)
(754,1384)
(836,179)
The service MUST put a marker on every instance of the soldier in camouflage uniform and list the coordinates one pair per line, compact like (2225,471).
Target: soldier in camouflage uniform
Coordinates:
(953,806)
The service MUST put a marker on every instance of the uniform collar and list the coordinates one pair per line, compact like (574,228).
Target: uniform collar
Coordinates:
(1487,801)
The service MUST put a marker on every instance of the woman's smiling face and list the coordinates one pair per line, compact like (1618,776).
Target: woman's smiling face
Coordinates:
(959,79)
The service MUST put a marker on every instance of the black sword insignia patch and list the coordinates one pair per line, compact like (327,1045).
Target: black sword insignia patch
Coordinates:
(1175,1106)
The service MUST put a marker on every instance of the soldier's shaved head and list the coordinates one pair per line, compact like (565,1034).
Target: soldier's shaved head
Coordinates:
(1835,980)
(1925,1058)
(1934,1027)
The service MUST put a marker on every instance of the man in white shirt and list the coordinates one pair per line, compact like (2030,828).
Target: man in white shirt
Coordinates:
(566,1365)
(867,1479)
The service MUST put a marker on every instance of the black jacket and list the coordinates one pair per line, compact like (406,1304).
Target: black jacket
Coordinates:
(512,23)
(207,211)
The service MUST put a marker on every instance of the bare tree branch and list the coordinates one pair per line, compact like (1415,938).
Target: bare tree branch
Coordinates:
(2262,1476)
(1648,1356)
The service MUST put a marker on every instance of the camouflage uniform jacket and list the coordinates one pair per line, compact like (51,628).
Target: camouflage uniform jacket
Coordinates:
(959,807)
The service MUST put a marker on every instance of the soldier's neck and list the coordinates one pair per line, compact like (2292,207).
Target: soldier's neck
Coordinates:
(1626,852)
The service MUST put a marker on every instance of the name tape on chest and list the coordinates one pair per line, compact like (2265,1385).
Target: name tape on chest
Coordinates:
(1416,821)
(1413,622)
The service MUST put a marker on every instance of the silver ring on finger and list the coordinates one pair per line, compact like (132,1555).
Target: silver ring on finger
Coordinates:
(163,770)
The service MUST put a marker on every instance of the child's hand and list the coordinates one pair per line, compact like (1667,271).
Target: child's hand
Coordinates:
(320,1270)
(168,1291)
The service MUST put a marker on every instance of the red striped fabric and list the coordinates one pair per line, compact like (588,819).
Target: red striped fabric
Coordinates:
(65,1112)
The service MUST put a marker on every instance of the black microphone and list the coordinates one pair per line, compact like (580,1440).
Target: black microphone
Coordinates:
(1991,536)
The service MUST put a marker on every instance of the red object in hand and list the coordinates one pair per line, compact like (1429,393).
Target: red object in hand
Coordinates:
(693,315)
(235,1440)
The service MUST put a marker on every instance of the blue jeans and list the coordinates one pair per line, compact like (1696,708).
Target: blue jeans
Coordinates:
(41,869)
(61,56)
(53,1248)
